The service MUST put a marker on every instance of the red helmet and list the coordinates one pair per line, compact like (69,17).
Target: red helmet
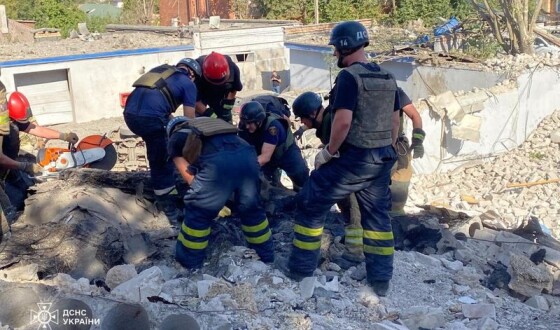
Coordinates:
(215,68)
(18,106)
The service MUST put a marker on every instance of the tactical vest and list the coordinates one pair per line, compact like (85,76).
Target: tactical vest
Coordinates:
(372,118)
(156,78)
(324,132)
(199,129)
(10,147)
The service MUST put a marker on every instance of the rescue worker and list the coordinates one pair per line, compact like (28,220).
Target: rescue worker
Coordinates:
(402,171)
(16,116)
(216,163)
(148,109)
(358,159)
(220,82)
(308,107)
(273,140)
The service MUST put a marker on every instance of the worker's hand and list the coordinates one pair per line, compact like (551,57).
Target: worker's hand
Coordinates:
(30,168)
(210,113)
(417,140)
(324,156)
(69,137)
(224,212)
(299,132)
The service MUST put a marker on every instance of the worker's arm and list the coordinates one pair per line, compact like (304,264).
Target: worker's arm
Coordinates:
(200,107)
(266,153)
(189,112)
(412,113)
(43,132)
(182,167)
(340,127)
(5,161)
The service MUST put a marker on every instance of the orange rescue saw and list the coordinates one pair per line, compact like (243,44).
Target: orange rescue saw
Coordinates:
(94,151)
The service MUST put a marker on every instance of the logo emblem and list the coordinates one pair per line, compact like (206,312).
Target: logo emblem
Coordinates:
(44,316)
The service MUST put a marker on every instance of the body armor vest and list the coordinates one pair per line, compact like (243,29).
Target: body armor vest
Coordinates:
(156,79)
(200,128)
(372,119)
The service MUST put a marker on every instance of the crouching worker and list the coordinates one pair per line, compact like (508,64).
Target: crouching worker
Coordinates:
(216,163)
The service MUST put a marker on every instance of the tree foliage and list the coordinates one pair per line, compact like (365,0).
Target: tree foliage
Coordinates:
(511,21)
(430,10)
(139,11)
(329,10)
(62,14)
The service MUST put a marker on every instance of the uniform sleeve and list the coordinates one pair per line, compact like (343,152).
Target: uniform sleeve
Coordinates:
(189,92)
(175,145)
(273,133)
(346,92)
(401,99)
(22,125)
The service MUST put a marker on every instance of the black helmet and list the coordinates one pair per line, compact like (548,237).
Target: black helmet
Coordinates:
(191,64)
(349,35)
(305,104)
(252,112)
(174,123)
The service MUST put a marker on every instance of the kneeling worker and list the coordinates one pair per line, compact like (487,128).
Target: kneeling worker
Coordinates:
(216,163)
(274,142)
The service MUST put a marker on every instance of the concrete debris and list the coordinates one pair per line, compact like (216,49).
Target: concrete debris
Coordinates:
(120,274)
(527,278)
(538,302)
(478,311)
(148,283)
(20,273)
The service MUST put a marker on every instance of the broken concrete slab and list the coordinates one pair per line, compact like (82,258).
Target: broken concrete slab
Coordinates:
(538,302)
(120,274)
(527,278)
(479,311)
(20,273)
(148,283)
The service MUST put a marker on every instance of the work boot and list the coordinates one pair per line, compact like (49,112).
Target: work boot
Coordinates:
(282,263)
(354,253)
(381,288)
(166,204)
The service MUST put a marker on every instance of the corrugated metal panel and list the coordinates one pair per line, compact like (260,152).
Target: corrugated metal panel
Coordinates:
(49,95)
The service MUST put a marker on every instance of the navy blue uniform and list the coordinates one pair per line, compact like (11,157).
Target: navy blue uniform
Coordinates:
(214,95)
(147,113)
(363,171)
(213,184)
(289,160)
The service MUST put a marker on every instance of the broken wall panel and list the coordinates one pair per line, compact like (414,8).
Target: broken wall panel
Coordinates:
(509,115)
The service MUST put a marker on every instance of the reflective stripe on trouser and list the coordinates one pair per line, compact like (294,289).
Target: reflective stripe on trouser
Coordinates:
(212,187)
(193,240)
(353,236)
(363,171)
(400,182)
(257,235)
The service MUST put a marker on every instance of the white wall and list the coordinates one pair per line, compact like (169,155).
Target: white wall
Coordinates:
(508,118)
(95,84)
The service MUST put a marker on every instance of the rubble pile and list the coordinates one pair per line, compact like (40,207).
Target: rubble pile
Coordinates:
(521,62)
(477,255)
(487,187)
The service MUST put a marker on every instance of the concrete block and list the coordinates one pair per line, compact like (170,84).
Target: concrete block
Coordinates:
(387,325)
(307,286)
(478,311)
(486,234)
(468,129)
(138,289)
(3,20)
(527,278)
(120,274)
(538,302)
(488,324)
(21,273)
(423,318)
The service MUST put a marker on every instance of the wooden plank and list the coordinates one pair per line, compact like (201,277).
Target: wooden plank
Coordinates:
(549,37)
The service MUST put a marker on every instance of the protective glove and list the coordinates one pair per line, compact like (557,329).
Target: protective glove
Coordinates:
(417,139)
(299,132)
(224,212)
(69,137)
(30,168)
(227,105)
(210,113)
(324,156)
